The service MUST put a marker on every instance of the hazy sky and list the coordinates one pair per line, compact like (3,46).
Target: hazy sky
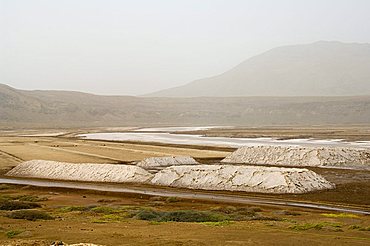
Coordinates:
(139,46)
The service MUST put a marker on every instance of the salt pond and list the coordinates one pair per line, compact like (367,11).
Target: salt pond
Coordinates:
(149,135)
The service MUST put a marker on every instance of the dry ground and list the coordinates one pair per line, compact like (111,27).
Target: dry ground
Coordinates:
(295,226)
(72,227)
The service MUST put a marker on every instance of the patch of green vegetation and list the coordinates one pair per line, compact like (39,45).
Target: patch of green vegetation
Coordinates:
(316,226)
(17,205)
(154,223)
(172,199)
(341,215)
(220,223)
(265,218)
(73,208)
(181,216)
(360,228)
(32,215)
(6,187)
(364,228)
(106,201)
(354,227)
(219,214)
(307,226)
(13,233)
(106,210)
(30,198)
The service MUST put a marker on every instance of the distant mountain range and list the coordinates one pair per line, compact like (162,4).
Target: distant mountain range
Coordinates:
(19,108)
(317,69)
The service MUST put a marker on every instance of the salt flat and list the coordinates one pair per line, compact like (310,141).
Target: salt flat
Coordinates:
(188,139)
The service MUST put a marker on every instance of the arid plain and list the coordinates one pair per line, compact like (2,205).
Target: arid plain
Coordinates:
(80,215)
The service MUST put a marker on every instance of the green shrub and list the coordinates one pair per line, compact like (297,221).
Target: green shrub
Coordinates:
(181,216)
(307,226)
(13,233)
(73,208)
(364,228)
(32,215)
(316,226)
(30,198)
(16,205)
(172,199)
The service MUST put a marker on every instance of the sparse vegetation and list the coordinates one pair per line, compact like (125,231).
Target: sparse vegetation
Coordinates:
(17,205)
(181,216)
(32,215)
(316,226)
(6,187)
(30,198)
(341,215)
(360,228)
(220,223)
(106,210)
(172,199)
(13,233)
(73,208)
(107,200)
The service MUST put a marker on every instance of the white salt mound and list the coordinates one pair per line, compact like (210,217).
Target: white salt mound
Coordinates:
(301,156)
(167,161)
(80,172)
(242,178)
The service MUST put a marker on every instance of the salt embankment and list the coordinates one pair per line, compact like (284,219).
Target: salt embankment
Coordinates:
(153,162)
(242,178)
(301,156)
(81,172)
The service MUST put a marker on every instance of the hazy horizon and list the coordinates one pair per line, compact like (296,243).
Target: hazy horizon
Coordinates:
(134,48)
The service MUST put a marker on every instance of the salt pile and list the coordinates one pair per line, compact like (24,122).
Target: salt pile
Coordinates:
(167,161)
(80,172)
(242,178)
(301,156)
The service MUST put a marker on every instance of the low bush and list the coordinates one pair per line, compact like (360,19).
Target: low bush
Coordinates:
(360,228)
(316,226)
(172,199)
(181,216)
(307,226)
(73,208)
(30,198)
(32,215)
(13,233)
(17,205)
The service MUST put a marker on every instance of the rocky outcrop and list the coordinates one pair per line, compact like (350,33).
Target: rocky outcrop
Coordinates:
(242,178)
(80,172)
(301,156)
(167,161)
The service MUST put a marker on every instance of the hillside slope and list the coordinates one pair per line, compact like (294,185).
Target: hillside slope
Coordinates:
(317,69)
(20,108)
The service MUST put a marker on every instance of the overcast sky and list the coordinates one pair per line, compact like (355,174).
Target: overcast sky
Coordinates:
(139,46)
